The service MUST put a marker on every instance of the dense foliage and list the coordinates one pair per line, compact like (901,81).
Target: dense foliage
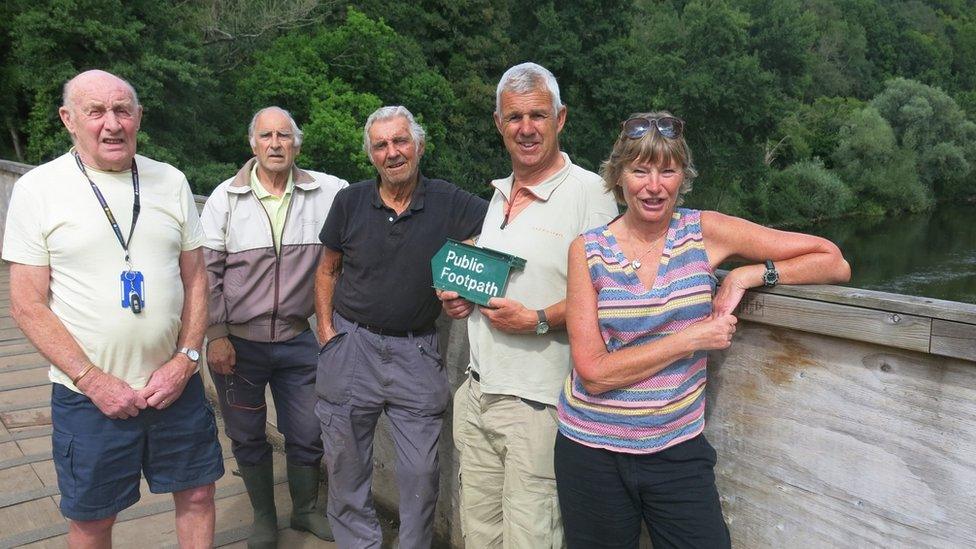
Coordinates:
(796,109)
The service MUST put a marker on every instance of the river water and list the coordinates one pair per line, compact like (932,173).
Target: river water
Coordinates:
(932,254)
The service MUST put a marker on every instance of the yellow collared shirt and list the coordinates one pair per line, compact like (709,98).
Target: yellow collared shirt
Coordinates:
(276,206)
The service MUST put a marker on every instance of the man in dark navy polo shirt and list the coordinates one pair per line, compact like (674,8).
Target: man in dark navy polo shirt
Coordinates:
(376,310)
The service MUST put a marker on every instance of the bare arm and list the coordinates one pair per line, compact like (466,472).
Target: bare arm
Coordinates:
(556,313)
(799,258)
(600,370)
(326,275)
(221,355)
(29,288)
(168,381)
(194,314)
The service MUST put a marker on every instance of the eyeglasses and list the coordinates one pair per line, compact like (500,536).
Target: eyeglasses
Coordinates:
(638,126)
(230,394)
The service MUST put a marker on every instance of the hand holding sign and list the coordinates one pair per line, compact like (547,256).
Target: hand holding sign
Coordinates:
(508,315)
(454,305)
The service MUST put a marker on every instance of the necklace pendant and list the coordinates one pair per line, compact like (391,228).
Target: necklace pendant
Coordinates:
(636,264)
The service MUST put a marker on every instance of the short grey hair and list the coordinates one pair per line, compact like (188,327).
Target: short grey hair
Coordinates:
(295,130)
(386,113)
(69,88)
(526,78)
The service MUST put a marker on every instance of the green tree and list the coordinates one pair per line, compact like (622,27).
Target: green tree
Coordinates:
(730,102)
(962,33)
(923,51)
(468,42)
(805,192)
(767,87)
(587,45)
(334,78)
(812,131)
(11,102)
(928,122)
(148,43)
(881,174)
(839,66)
(783,35)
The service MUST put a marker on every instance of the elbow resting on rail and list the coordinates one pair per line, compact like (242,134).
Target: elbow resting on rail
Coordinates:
(840,271)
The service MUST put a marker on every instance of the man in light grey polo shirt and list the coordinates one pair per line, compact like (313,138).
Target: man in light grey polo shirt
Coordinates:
(504,414)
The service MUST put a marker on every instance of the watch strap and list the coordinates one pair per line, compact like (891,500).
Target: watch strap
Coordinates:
(541,327)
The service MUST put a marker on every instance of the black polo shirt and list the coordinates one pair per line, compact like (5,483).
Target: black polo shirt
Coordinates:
(386,280)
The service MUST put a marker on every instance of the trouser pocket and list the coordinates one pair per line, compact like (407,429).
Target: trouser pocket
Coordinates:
(336,368)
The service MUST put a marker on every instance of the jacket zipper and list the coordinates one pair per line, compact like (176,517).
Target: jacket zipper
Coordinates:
(277,266)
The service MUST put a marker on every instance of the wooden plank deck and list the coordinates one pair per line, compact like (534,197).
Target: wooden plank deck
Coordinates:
(29,495)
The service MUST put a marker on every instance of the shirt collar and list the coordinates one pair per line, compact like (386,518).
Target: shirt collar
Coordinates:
(416,200)
(241,182)
(542,190)
(260,192)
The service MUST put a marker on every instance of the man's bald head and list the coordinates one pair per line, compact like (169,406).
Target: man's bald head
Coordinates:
(88,76)
(102,114)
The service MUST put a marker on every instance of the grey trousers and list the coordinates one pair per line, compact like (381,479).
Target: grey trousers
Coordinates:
(360,375)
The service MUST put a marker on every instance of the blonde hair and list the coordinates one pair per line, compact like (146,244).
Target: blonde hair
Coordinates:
(651,148)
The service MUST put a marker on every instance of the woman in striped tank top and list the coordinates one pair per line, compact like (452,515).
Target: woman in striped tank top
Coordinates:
(642,314)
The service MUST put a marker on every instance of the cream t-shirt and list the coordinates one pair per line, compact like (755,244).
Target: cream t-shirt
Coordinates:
(55,220)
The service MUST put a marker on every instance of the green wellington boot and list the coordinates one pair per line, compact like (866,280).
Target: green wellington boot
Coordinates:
(259,480)
(303,484)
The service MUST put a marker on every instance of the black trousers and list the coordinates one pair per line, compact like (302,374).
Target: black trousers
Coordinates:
(604,495)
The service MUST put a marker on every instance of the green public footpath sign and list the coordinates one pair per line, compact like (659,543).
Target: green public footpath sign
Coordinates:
(476,274)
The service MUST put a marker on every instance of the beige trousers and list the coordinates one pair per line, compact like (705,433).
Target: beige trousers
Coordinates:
(508,487)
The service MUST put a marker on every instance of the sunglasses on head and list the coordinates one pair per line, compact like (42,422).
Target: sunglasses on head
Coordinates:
(638,126)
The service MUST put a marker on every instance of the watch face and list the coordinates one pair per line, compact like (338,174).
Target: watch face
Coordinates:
(771,276)
(193,354)
(542,328)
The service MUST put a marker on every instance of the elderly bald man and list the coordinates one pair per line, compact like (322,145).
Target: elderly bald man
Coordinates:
(107,280)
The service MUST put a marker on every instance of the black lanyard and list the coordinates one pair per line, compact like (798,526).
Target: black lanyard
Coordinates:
(108,211)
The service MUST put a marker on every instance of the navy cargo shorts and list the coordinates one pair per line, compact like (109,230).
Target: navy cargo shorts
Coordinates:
(99,460)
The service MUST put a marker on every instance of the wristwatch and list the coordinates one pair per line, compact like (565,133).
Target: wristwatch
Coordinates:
(771,276)
(192,354)
(543,326)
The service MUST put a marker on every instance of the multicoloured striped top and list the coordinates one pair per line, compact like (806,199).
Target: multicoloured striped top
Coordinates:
(668,407)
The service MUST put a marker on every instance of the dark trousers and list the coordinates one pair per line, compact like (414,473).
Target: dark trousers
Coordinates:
(604,495)
(289,367)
